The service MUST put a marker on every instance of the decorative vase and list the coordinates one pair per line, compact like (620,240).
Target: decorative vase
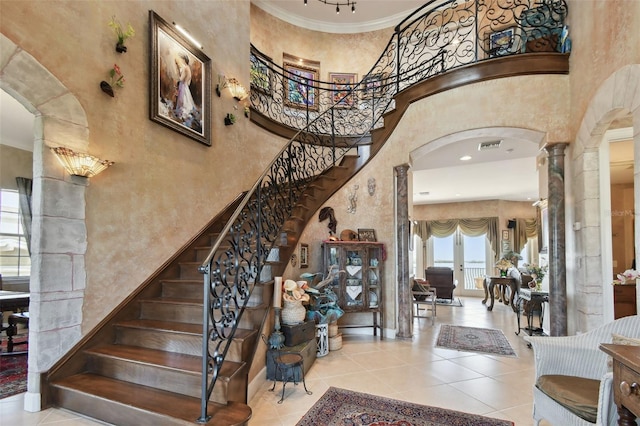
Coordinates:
(121,48)
(106,88)
(503,273)
(293,312)
(538,285)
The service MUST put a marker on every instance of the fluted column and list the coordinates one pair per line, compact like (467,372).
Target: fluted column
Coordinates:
(557,232)
(402,235)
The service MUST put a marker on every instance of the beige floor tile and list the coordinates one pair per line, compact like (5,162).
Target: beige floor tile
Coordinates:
(412,370)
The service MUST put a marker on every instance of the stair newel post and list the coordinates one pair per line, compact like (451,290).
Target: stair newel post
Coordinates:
(205,344)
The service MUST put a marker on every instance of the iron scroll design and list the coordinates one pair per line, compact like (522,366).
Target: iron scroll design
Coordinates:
(438,37)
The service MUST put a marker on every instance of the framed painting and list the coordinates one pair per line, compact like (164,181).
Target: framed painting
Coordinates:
(260,74)
(373,85)
(180,83)
(505,234)
(301,86)
(342,84)
(304,255)
(501,42)
(367,235)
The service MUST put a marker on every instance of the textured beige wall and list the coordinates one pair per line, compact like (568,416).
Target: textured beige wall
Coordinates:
(164,187)
(349,53)
(605,38)
(14,163)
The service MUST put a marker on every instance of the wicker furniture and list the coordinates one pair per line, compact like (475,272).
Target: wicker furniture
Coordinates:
(574,365)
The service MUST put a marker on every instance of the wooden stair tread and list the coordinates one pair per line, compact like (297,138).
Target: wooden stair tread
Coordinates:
(154,400)
(178,327)
(177,361)
(174,300)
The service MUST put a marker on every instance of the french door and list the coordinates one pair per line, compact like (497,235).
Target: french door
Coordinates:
(468,257)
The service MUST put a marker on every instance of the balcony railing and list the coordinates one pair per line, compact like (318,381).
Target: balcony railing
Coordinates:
(439,37)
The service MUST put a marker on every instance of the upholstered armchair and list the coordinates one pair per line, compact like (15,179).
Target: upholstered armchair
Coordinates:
(441,278)
(573,376)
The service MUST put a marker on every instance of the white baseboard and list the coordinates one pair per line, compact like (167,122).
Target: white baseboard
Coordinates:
(32,402)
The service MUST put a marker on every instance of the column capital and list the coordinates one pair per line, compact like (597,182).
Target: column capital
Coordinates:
(555,148)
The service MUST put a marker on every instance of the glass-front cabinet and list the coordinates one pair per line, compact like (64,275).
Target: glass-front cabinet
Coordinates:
(359,284)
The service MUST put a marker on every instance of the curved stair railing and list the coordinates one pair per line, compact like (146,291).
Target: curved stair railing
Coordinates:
(327,122)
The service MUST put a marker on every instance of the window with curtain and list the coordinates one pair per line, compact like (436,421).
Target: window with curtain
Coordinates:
(14,253)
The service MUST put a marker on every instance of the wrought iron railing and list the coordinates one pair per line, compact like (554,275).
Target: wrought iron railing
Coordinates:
(329,122)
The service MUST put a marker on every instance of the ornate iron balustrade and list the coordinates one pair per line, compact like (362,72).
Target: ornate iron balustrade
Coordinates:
(450,33)
(429,42)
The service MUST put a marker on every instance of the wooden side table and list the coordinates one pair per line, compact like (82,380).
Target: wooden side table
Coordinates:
(626,381)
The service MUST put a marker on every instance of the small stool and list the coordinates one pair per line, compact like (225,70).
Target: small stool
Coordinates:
(289,365)
(12,329)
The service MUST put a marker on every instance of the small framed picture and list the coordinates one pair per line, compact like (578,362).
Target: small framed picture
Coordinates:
(505,234)
(342,85)
(501,42)
(373,85)
(367,235)
(301,88)
(304,255)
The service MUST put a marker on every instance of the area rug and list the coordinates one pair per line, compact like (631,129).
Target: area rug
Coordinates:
(13,374)
(473,339)
(450,302)
(340,407)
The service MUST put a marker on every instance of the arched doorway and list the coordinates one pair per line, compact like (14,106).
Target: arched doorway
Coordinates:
(590,269)
(59,239)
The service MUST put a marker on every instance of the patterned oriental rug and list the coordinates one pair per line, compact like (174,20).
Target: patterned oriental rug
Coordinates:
(340,407)
(473,339)
(13,374)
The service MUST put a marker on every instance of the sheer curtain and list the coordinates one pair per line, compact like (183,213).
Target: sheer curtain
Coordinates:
(24,199)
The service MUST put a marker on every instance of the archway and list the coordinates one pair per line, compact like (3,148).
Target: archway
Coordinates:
(59,236)
(618,96)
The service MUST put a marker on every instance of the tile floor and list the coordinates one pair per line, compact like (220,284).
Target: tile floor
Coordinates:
(411,370)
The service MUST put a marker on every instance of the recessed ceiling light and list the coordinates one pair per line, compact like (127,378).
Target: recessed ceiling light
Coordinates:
(465,158)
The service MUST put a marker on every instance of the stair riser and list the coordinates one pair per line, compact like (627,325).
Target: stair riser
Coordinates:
(186,290)
(190,272)
(111,411)
(155,339)
(161,378)
(188,313)
(175,342)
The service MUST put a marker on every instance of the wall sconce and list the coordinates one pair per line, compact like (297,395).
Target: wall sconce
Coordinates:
(237,90)
(79,164)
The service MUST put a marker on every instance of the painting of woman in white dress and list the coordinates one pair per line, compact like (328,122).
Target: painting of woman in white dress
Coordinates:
(182,84)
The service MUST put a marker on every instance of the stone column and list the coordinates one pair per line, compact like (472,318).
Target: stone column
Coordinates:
(557,231)
(402,240)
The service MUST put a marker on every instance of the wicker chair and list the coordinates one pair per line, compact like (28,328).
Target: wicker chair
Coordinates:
(573,369)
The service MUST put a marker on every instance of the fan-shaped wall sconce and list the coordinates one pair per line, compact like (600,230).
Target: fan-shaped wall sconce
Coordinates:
(238,91)
(80,164)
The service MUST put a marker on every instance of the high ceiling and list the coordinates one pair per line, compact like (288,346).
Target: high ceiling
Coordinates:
(508,172)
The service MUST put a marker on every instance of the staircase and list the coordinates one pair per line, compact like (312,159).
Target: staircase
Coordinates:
(142,365)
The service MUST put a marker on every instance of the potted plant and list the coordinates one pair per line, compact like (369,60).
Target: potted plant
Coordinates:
(121,34)
(229,119)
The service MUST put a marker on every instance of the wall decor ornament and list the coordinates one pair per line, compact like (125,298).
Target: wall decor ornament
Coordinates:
(353,198)
(371,186)
(116,78)
(180,83)
(121,34)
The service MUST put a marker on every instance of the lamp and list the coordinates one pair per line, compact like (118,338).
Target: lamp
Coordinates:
(337,4)
(79,164)
(237,90)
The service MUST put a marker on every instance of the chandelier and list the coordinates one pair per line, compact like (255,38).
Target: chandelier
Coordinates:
(337,4)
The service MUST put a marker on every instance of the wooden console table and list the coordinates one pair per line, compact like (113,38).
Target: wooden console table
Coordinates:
(502,283)
(534,300)
(626,381)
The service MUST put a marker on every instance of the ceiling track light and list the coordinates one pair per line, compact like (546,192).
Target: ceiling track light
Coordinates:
(337,4)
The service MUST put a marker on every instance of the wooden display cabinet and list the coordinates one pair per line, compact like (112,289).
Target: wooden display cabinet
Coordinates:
(360,287)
